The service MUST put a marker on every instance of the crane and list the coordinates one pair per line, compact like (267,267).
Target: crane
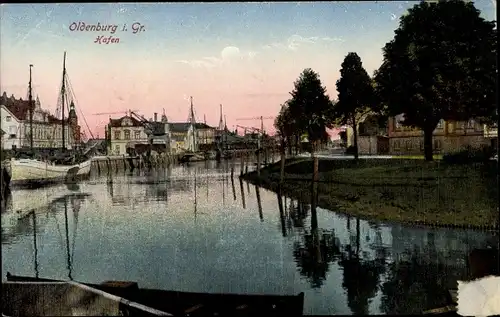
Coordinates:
(261,118)
(247,128)
(118,112)
(151,128)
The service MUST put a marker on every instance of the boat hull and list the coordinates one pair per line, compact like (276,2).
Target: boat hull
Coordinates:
(27,172)
(187,303)
(84,168)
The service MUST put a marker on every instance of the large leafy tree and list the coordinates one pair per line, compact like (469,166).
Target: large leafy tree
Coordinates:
(310,106)
(441,64)
(356,94)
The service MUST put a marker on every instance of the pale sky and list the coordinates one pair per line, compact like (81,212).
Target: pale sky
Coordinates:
(245,56)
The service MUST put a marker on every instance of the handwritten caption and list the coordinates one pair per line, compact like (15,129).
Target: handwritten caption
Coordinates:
(135,28)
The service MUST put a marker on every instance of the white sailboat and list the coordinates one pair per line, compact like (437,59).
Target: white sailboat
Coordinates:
(28,172)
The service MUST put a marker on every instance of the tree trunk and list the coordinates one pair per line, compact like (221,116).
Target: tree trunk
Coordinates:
(297,144)
(428,143)
(289,143)
(282,162)
(355,132)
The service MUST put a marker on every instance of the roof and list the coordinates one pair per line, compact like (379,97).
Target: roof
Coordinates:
(184,126)
(20,108)
(118,122)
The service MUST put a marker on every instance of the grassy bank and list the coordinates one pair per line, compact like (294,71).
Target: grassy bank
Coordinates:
(403,190)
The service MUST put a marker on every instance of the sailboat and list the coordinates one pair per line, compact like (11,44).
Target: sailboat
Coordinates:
(29,172)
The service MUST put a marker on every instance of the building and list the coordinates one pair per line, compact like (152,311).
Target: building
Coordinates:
(12,127)
(128,135)
(125,133)
(448,137)
(47,129)
(182,136)
(372,135)
(491,134)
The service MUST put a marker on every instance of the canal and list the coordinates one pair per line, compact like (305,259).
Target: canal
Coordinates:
(194,229)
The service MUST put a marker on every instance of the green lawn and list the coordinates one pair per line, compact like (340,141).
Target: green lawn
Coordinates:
(406,190)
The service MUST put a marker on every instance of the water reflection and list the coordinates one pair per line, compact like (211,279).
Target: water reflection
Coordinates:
(139,226)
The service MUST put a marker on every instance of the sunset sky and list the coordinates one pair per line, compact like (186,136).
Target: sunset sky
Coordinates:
(245,56)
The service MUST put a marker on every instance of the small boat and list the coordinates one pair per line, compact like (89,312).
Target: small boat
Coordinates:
(113,296)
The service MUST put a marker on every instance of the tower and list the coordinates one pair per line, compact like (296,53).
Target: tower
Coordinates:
(73,123)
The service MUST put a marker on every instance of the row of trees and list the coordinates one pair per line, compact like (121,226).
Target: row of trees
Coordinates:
(441,64)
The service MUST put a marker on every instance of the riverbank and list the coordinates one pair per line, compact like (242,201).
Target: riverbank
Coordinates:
(407,191)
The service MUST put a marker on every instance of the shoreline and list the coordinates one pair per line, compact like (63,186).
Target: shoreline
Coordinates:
(381,200)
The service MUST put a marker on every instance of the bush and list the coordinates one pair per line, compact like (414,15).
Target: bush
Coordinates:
(469,155)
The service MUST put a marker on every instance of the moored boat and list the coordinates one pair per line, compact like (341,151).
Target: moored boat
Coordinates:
(84,168)
(155,301)
(35,172)
(29,172)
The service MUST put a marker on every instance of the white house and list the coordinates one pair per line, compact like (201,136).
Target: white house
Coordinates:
(47,129)
(12,128)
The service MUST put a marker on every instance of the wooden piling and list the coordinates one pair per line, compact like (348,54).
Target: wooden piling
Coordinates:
(258,161)
(242,163)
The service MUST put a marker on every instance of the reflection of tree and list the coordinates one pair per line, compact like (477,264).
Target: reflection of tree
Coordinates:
(316,251)
(297,213)
(360,277)
(414,285)
(312,265)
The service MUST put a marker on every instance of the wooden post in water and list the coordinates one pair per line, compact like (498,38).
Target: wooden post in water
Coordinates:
(282,214)
(242,163)
(258,161)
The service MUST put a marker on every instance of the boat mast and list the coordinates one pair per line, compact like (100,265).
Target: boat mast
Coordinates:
(63,91)
(30,103)
(193,124)
(68,257)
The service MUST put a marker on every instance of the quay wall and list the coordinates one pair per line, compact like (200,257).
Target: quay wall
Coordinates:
(121,162)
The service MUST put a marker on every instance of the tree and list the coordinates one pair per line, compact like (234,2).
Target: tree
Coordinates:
(287,127)
(356,94)
(441,64)
(310,106)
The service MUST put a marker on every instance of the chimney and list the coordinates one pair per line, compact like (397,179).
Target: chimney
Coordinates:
(156,117)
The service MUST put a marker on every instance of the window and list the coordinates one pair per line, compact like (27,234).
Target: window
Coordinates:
(117,135)
(408,144)
(12,130)
(470,124)
(8,118)
(127,134)
(117,149)
(137,135)
(396,145)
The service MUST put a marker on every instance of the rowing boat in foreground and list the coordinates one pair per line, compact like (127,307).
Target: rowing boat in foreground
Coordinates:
(120,298)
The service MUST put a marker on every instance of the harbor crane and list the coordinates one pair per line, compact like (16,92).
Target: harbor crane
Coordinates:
(126,112)
(261,118)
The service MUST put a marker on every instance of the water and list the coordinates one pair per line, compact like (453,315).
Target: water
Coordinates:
(201,232)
